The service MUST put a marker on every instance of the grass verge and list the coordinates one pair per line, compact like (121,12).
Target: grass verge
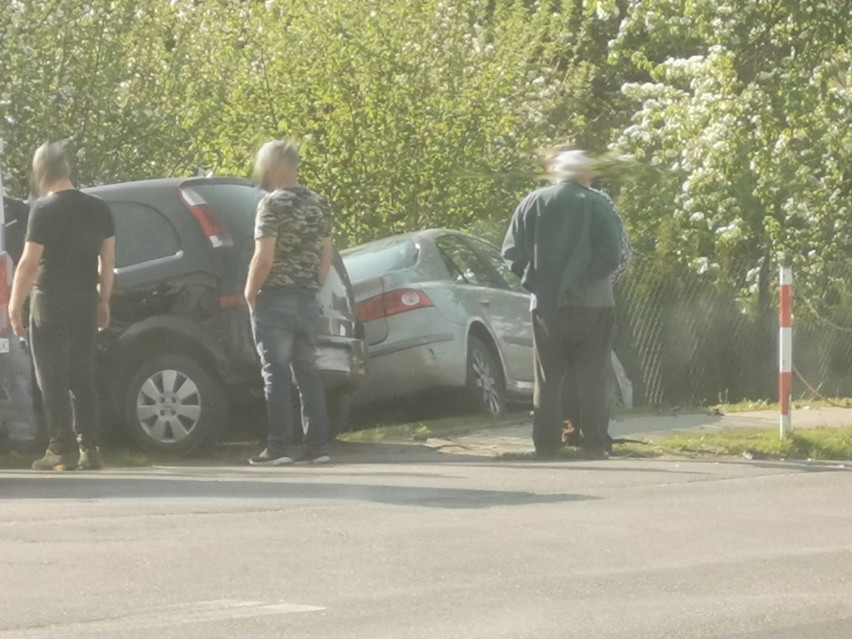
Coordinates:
(620,451)
(815,443)
(832,444)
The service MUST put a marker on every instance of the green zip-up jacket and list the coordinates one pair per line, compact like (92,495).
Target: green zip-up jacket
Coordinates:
(566,242)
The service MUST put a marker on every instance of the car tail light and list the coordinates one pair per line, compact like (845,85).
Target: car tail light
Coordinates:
(392,303)
(207,219)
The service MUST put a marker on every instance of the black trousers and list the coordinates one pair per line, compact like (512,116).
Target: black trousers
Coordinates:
(63,336)
(575,342)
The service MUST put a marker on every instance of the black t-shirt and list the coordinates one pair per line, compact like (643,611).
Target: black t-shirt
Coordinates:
(72,227)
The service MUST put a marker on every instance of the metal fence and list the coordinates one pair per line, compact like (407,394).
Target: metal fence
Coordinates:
(693,338)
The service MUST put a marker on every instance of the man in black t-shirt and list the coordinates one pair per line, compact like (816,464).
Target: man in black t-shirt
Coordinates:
(68,263)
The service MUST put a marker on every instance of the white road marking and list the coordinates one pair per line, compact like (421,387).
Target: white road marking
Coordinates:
(181,614)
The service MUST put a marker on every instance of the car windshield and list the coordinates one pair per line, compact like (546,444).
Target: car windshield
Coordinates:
(376,258)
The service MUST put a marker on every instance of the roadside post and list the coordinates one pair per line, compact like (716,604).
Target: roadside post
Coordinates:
(785,348)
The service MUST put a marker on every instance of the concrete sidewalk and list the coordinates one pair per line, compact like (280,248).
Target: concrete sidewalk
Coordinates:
(513,438)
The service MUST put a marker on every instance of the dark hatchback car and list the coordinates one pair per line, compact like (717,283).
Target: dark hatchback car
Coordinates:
(179,350)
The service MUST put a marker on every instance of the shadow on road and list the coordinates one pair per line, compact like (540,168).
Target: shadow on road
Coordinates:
(111,487)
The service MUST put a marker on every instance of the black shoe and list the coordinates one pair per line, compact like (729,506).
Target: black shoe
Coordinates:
(597,453)
(90,459)
(271,458)
(52,461)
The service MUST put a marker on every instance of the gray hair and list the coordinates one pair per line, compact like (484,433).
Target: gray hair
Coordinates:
(50,164)
(569,165)
(272,155)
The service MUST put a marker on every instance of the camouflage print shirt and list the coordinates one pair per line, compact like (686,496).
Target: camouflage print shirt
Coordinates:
(299,220)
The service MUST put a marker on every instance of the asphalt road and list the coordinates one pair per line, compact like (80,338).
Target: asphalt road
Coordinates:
(463,548)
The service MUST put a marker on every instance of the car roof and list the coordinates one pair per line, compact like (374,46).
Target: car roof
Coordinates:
(425,234)
(165,184)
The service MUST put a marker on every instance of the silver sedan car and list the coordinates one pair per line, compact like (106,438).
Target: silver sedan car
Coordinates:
(441,309)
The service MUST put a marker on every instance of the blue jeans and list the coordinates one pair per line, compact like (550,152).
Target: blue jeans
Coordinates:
(286,323)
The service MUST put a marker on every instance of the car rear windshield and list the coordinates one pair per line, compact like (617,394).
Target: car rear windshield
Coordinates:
(376,258)
(235,204)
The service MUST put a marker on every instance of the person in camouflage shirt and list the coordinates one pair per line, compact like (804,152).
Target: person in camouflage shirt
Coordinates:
(299,220)
(292,259)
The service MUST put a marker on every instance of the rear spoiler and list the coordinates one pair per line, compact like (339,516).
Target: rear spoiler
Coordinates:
(196,181)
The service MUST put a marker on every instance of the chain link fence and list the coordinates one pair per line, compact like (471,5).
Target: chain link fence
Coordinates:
(693,337)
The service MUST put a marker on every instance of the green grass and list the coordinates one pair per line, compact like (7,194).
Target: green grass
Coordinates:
(815,443)
(834,444)
(620,451)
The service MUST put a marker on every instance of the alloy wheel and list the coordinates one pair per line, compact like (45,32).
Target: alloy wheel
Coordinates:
(168,406)
(486,382)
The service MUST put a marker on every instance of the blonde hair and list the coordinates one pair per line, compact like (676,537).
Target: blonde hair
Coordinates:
(272,155)
(50,165)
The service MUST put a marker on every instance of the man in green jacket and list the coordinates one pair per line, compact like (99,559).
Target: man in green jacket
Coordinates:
(566,243)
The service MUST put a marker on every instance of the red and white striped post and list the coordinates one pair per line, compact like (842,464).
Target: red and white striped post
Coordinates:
(785,348)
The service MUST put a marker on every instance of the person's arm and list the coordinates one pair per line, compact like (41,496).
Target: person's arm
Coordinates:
(261,265)
(25,275)
(326,260)
(607,250)
(516,245)
(266,228)
(106,279)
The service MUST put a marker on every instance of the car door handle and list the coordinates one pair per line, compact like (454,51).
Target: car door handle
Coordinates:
(485,302)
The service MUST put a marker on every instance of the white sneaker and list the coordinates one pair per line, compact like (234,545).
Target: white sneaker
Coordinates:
(270,459)
(322,459)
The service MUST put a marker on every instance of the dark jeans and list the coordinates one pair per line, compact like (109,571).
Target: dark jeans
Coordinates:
(574,342)
(286,324)
(571,398)
(63,336)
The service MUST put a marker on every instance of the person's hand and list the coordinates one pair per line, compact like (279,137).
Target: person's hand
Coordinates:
(16,317)
(251,299)
(103,314)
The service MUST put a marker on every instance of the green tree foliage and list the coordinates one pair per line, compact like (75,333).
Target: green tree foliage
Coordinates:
(745,112)
(412,114)
(418,113)
(99,74)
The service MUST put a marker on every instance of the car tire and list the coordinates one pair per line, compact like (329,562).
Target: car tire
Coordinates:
(486,386)
(172,404)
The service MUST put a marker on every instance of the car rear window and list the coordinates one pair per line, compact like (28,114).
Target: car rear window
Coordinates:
(142,234)
(235,204)
(376,258)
